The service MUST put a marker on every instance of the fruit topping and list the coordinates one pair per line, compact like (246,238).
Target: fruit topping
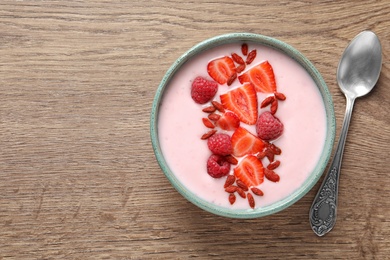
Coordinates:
(257,191)
(271,175)
(270,156)
(237,108)
(232,198)
(274,149)
(208,134)
(231,159)
(266,153)
(220,144)
(241,192)
(209,109)
(203,90)
(267,101)
(237,59)
(273,165)
(251,56)
(274,106)
(268,127)
(242,185)
(207,123)
(244,143)
(231,79)
(280,96)
(250,171)
(214,117)
(240,68)
(261,76)
(217,166)
(243,102)
(218,106)
(221,69)
(231,189)
(251,201)
(228,121)
(229,181)
(244,49)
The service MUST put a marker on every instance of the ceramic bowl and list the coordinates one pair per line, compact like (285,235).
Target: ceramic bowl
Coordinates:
(313,176)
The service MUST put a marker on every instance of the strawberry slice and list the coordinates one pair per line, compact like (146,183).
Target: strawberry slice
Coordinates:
(250,171)
(228,121)
(243,143)
(243,102)
(261,76)
(221,69)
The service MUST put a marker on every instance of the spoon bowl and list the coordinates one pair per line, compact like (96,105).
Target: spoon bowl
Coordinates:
(359,69)
(357,74)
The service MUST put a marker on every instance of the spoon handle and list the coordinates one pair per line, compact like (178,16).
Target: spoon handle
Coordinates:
(323,211)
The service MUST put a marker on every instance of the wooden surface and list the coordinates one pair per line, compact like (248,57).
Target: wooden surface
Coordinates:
(78,177)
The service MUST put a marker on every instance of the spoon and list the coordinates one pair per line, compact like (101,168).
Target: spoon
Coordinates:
(357,74)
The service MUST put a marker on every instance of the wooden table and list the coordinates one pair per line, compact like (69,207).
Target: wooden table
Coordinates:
(78,177)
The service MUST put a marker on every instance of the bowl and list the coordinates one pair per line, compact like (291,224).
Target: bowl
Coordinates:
(183,160)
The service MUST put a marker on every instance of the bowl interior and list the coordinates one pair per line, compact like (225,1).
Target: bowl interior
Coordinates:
(330,123)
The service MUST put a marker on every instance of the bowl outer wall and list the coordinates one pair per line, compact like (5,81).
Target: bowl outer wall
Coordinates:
(330,118)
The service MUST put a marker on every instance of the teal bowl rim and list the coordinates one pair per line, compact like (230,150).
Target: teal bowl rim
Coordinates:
(329,140)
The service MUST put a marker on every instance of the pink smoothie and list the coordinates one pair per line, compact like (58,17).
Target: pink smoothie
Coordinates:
(303,114)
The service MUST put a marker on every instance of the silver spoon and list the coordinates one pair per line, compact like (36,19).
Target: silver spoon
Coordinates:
(357,74)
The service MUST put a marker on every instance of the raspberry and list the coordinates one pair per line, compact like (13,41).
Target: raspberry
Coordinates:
(220,144)
(217,166)
(268,127)
(203,90)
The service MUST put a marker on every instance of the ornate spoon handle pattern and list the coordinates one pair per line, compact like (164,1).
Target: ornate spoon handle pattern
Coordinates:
(324,209)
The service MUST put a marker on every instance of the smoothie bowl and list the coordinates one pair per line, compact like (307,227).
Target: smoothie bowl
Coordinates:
(242,125)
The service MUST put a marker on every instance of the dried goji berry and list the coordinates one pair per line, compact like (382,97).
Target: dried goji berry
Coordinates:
(241,192)
(251,56)
(267,101)
(232,198)
(274,149)
(274,106)
(208,134)
(261,155)
(237,58)
(270,155)
(231,79)
(231,189)
(230,179)
(209,109)
(240,68)
(251,201)
(280,96)
(271,175)
(230,159)
(208,123)
(242,185)
(218,106)
(257,191)
(214,117)
(244,49)
(273,165)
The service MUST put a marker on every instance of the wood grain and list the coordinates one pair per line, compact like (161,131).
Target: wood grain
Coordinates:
(78,177)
